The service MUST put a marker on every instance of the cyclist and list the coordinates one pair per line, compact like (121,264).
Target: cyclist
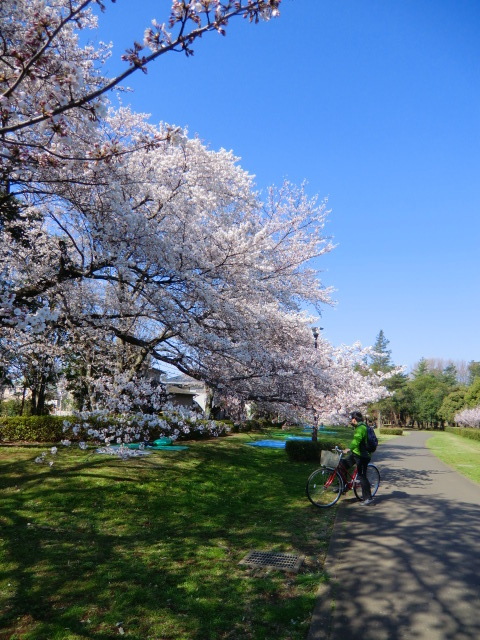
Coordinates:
(358,454)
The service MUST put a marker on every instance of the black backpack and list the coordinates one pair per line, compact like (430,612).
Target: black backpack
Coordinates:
(371,443)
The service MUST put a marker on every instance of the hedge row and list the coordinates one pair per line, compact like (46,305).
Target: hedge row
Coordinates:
(392,431)
(464,432)
(32,428)
(309,450)
(51,429)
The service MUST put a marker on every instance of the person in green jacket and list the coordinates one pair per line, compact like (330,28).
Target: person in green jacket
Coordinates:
(358,454)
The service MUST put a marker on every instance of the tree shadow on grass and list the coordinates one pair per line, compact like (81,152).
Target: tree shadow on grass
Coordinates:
(142,542)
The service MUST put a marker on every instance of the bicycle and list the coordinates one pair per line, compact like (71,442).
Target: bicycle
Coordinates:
(326,485)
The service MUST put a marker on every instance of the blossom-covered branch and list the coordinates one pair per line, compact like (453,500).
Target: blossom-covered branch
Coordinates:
(35,34)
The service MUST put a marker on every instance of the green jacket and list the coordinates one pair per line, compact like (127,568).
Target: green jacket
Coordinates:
(359,442)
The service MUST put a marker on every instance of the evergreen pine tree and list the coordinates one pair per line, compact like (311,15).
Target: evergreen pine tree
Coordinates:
(381,360)
(421,369)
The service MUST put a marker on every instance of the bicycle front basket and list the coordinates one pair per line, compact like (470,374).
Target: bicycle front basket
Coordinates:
(329,458)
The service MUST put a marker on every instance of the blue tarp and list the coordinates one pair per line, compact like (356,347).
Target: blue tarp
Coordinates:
(273,444)
(154,447)
(280,444)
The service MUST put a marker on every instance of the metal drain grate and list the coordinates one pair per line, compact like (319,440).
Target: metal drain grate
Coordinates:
(273,560)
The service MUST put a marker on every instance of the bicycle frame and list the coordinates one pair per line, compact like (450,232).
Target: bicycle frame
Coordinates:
(348,478)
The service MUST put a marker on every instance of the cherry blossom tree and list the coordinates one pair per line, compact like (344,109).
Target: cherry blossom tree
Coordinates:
(138,243)
(168,247)
(468,417)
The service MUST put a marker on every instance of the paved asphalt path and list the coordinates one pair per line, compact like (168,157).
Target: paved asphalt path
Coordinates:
(407,567)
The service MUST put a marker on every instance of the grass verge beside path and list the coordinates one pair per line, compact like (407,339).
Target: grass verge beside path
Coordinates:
(460,453)
(95,546)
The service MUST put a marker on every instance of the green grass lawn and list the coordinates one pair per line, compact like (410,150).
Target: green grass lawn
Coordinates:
(95,546)
(460,453)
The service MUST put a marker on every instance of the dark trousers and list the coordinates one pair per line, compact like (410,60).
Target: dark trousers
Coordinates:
(362,464)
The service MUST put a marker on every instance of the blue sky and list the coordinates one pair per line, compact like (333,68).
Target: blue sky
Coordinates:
(376,104)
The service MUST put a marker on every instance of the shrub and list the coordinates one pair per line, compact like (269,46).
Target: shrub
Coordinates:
(303,450)
(472,434)
(385,431)
(32,428)
(308,450)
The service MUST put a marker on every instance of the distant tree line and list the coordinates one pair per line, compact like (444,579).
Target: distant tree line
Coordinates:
(428,398)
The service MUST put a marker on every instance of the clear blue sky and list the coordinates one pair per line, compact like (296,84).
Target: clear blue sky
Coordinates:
(376,104)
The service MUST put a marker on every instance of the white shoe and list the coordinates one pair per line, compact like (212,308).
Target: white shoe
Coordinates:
(367,501)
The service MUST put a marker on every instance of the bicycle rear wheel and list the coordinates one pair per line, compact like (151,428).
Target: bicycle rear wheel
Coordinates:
(373,475)
(324,487)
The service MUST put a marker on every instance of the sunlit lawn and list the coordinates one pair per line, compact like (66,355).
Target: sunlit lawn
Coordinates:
(460,453)
(96,546)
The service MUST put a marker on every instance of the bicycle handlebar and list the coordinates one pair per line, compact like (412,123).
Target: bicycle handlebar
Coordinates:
(337,449)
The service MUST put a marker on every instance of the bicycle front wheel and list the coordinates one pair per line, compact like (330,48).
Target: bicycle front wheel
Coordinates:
(324,487)
(373,475)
